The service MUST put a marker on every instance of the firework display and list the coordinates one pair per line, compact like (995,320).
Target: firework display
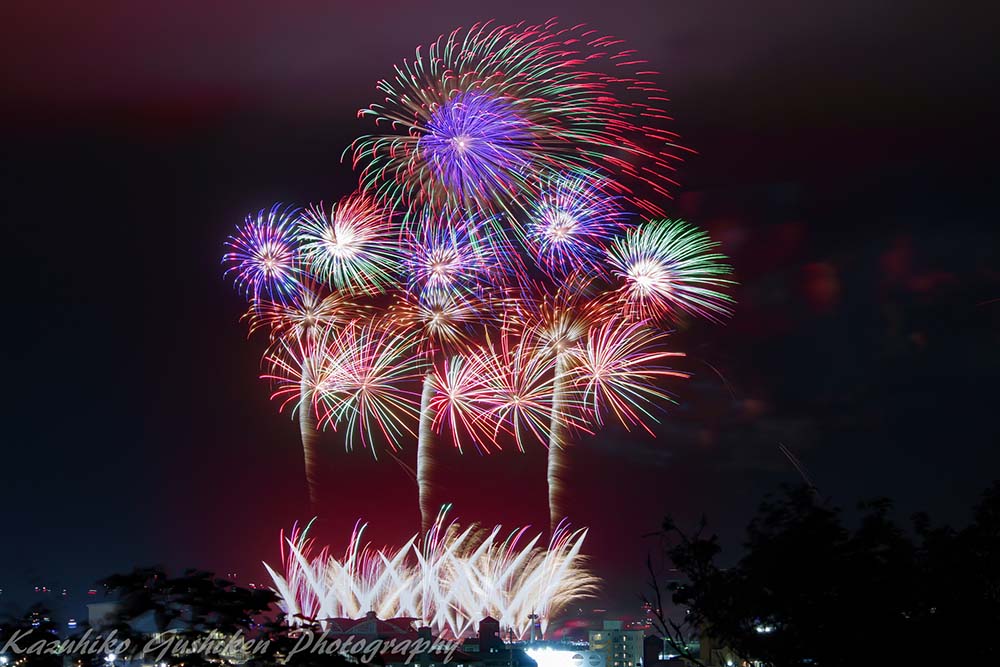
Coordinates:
(502,277)
(571,221)
(350,247)
(448,580)
(263,254)
(669,266)
(484,114)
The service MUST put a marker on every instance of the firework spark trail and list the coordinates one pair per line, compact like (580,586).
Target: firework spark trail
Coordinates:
(448,580)
(571,222)
(352,247)
(425,455)
(291,365)
(448,266)
(556,466)
(263,255)
(492,108)
(308,434)
(307,310)
(362,383)
(519,400)
(619,369)
(670,266)
(442,320)
(451,251)
(461,403)
(294,326)
(554,324)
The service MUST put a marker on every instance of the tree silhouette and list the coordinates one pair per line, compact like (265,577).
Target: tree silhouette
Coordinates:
(190,606)
(810,590)
(37,621)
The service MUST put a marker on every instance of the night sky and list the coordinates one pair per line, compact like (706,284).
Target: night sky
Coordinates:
(845,159)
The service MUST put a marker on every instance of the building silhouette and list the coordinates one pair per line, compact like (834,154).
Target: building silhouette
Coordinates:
(621,647)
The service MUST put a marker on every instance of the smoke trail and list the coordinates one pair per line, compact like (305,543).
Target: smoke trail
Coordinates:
(557,445)
(307,431)
(425,455)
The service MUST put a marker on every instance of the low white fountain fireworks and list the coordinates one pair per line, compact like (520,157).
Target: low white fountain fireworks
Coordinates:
(449,581)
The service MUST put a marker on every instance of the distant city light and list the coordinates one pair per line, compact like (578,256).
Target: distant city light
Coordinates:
(551,657)
(547,656)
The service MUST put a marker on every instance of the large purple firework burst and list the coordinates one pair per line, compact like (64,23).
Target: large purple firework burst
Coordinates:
(476,145)
(488,112)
